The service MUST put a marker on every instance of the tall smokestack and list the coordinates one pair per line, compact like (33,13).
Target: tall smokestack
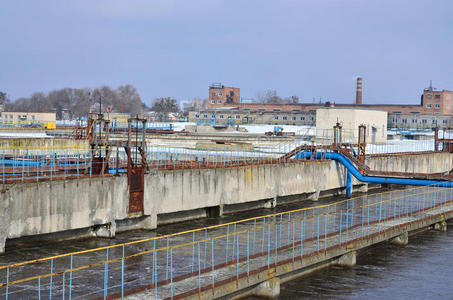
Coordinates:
(358,95)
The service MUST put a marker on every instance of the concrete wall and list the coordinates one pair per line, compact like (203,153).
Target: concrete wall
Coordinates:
(50,207)
(424,163)
(172,191)
(350,120)
(42,143)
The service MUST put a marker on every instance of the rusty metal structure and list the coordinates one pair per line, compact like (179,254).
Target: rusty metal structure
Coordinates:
(135,148)
(361,143)
(442,144)
(98,133)
(129,147)
(337,136)
(99,136)
(357,155)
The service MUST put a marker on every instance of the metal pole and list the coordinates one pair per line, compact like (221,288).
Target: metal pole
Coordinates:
(212,265)
(171,271)
(193,249)
(106,272)
(50,285)
(7,283)
(199,268)
(70,279)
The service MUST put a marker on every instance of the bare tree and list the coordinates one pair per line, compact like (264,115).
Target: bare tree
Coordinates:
(268,96)
(78,102)
(163,106)
(129,96)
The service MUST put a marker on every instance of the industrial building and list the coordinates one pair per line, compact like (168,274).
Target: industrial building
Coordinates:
(17,117)
(225,105)
(375,122)
(41,119)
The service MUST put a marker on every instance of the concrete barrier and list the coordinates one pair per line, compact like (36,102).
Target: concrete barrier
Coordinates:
(55,206)
(51,207)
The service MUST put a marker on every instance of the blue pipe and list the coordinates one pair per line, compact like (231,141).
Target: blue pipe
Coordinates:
(31,163)
(371,179)
(348,184)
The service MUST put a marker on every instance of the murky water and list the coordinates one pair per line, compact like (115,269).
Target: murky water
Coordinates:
(420,270)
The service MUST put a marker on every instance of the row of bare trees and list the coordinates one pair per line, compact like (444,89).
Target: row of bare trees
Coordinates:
(271,97)
(78,102)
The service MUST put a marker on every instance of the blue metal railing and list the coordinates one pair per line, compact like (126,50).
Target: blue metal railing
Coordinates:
(158,266)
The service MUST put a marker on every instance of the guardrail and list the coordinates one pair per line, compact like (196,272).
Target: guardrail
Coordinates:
(189,262)
(21,164)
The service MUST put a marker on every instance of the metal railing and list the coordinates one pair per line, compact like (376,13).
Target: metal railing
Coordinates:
(191,261)
(20,164)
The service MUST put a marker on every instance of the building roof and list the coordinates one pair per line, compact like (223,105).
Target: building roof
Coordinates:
(351,108)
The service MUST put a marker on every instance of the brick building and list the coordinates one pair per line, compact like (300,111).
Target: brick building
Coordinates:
(220,95)
(435,108)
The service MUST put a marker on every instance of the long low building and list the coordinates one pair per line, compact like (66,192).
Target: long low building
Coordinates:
(241,116)
(225,106)
(244,116)
(18,117)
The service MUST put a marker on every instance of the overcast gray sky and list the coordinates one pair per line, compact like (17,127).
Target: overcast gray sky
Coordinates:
(178,47)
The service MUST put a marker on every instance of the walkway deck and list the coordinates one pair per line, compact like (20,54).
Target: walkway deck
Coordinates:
(220,260)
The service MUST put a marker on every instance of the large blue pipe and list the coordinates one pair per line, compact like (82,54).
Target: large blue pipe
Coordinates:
(31,163)
(371,179)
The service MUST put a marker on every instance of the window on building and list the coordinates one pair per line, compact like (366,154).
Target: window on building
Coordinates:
(434,121)
(213,101)
(197,116)
(302,118)
(436,105)
(213,116)
(437,96)
(414,121)
(285,118)
(221,116)
(33,117)
(213,94)
(312,118)
(205,116)
(219,94)
(294,118)
(238,116)
(396,112)
(429,96)
(415,112)
(219,101)
(394,121)
(424,121)
(429,105)
(404,121)
(275,117)
(444,121)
